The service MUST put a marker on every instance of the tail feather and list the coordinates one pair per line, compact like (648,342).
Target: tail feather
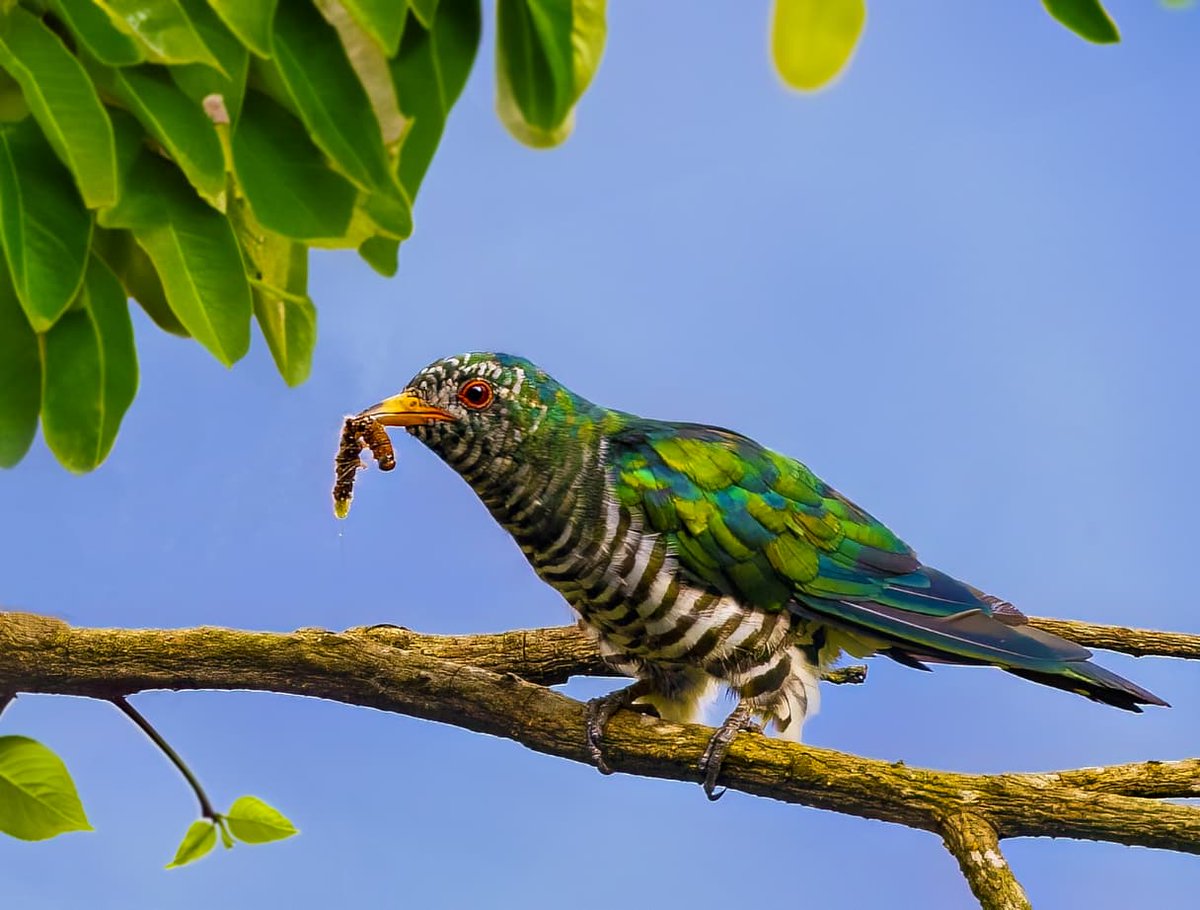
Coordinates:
(974,636)
(1095,682)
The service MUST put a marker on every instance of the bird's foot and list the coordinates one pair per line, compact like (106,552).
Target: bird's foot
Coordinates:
(739,721)
(600,711)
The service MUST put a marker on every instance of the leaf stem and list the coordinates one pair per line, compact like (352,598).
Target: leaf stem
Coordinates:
(206,807)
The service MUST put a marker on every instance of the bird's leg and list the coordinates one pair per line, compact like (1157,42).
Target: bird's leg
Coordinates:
(600,711)
(739,721)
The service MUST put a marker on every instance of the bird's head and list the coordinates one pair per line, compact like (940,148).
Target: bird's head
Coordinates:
(479,404)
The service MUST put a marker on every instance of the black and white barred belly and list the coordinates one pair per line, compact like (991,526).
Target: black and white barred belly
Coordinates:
(649,618)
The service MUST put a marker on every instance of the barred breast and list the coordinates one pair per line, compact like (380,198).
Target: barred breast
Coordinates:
(649,618)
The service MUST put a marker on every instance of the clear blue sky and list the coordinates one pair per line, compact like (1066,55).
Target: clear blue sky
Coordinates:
(962,285)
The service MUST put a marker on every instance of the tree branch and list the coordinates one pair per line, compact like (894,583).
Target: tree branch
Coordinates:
(543,656)
(38,654)
(974,843)
(1148,779)
(1138,642)
(551,656)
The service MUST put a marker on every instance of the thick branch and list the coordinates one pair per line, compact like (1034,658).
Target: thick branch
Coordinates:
(974,843)
(551,656)
(44,655)
(543,656)
(1149,779)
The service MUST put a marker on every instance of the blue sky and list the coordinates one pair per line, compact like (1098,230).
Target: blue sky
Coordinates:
(962,285)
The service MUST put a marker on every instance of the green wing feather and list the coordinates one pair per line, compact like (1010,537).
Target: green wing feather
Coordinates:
(750,521)
(762,527)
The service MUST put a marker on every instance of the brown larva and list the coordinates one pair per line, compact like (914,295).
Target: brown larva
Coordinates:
(356,432)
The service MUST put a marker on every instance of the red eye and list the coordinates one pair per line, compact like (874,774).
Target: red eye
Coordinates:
(476,394)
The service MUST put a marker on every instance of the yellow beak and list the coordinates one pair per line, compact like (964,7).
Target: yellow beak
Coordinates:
(405,410)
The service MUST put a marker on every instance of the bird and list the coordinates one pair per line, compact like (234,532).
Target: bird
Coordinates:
(698,559)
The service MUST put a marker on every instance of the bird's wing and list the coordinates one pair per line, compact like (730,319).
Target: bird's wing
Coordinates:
(750,521)
(763,527)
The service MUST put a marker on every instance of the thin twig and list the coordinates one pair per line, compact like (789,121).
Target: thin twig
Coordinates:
(206,807)
(973,842)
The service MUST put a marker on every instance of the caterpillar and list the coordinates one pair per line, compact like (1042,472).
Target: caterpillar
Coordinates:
(358,432)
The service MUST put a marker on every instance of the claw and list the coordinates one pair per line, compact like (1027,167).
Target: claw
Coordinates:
(739,721)
(599,713)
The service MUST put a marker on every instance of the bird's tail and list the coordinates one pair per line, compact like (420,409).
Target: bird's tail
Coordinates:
(1081,676)
(1093,681)
(994,633)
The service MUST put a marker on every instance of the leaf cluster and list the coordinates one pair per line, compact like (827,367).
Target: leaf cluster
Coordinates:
(188,154)
(38,800)
(249,820)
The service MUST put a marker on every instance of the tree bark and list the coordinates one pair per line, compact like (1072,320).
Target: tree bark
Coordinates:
(974,843)
(497,684)
(1138,642)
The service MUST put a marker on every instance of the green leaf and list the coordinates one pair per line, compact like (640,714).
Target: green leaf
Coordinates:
(285,313)
(383,20)
(426,10)
(96,31)
(37,796)
(223,830)
(334,106)
(370,65)
(199,81)
(429,73)
(129,139)
(179,124)
(63,101)
(362,225)
(194,251)
(1086,18)
(133,267)
(382,254)
(163,28)
(389,210)
(589,30)
(547,52)
(254,822)
(20,377)
(250,20)
(813,40)
(12,102)
(44,226)
(289,324)
(534,68)
(201,837)
(285,177)
(89,372)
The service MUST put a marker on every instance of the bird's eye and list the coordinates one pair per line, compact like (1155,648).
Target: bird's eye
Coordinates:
(476,394)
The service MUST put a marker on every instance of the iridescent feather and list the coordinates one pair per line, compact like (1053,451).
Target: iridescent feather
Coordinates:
(764,528)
